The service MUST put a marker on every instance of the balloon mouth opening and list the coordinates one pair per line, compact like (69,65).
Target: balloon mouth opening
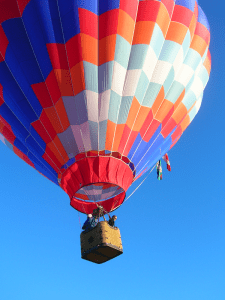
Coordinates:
(98,192)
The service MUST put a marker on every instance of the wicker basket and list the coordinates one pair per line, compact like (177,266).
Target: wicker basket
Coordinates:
(101,244)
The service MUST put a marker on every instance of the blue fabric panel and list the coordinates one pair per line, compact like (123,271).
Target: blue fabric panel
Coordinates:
(192,59)
(122,52)
(186,3)
(16,34)
(169,80)
(124,109)
(91,5)
(69,163)
(24,77)
(18,129)
(34,147)
(37,137)
(71,17)
(142,87)
(157,40)
(166,145)
(137,56)
(106,5)
(186,42)
(150,146)
(93,127)
(169,51)
(91,76)
(102,134)
(135,145)
(202,18)
(44,62)
(105,73)
(174,92)
(20,146)
(114,105)
(48,15)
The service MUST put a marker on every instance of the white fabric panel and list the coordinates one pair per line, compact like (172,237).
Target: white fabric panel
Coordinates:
(178,61)
(119,74)
(103,105)
(161,72)
(92,105)
(197,87)
(185,75)
(150,63)
(131,82)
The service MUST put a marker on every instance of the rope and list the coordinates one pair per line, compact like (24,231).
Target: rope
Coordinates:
(79,220)
(140,184)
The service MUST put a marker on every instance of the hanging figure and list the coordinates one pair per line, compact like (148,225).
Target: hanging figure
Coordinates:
(159,170)
(90,223)
(112,220)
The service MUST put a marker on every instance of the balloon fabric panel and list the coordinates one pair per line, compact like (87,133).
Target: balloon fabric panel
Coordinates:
(100,78)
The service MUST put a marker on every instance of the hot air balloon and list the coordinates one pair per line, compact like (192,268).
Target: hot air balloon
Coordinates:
(93,93)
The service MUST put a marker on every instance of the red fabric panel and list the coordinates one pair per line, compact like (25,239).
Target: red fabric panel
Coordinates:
(53,87)
(88,22)
(146,124)
(176,133)
(8,10)
(74,50)
(169,4)
(8,134)
(148,11)
(42,93)
(203,32)
(57,54)
(130,7)
(167,117)
(182,15)
(151,130)
(22,5)
(92,170)
(108,22)
(4,43)
(168,128)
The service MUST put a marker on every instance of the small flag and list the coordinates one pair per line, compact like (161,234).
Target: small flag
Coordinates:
(166,159)
(159,170)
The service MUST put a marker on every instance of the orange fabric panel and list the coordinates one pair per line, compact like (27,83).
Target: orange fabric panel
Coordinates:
(78,81)
(181,97)
(192,26)
(176,32)
(184,124)
(143,32)
(125,26)
(89,48)
(158,101)
(179,113)
(107,48)
(109,135)
(58,150)
(133,113)
(198,44)
(64,82)
(163,110)
(163,19)
(141,117)
(118,136)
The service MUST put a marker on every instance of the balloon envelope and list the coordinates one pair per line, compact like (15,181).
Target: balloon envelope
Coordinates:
(93,93)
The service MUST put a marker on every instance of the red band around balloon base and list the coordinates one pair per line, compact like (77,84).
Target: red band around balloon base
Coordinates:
(93,170)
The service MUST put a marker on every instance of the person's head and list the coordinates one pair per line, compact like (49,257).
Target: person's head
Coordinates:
(89,215)
(114,217)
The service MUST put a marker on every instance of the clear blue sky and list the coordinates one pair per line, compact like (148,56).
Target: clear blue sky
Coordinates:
(173,230)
